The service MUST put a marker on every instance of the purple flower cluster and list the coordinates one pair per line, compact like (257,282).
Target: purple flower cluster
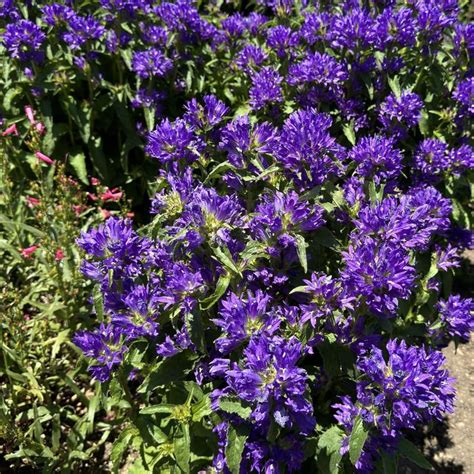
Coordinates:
(23,40)
(311,204)
(395,392)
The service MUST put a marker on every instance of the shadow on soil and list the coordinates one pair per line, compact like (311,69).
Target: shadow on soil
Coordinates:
(433,441)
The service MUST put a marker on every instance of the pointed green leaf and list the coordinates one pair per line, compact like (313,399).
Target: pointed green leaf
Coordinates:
(236,438)
(357,439)
(235,406)
(301,251)
(408,450)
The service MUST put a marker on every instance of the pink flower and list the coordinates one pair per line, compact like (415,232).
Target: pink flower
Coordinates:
(59,255)
(105,213)
(29,251)
(95,182)
(32,202)
(92,196)
(130,215)
(43,157)
(30,114)
(112,195)
(40,128)
(11,130)
(77,208)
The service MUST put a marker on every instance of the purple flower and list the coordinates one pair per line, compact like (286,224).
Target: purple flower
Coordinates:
(116,247)
(377,158)
(320,69)
(430,157)
(282,39)
(463,38)
(250,57)
(151,63)
(154,35)
(395,393)
(243,318)
(354,192)
(405,27)
(460,159)
(23,40)
(171,202)
(281,214)
(397,114)
(433,19)
(209,217)
(207,115)
(262,456)
(139,317)
(325,296)
(265,88)
(106,345)
(56,14)
(81,30)
(409,221)
(254,22)
(234,25)
(269,379)
(464,96)
(447,258)
(314,27)
(306,150)
(457,316)
(379,274)
(181,286)
(241,140)
(174,142)
(9,11)
(351,30)
(147,99)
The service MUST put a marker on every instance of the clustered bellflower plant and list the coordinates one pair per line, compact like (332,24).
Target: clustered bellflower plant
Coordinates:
(285,306)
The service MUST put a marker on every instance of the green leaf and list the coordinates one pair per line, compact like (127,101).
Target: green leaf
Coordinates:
(408,450)
(225,257)
(163,408)
(98,299)
(101,165)
(234,405)
(120,445)
(395,86)
(323,236)
(336,358)
(221,287)
(169,370)
(329,444)
(201,408)
(150,114)
(60,339)
(196,327)
(300,289)
(389,463)
(243,109)
(301,251)
(375,195)
(236,438)
(357,439)
(182,449)
(78,162)
(9,96)
(423,124)
(220,169)
(348,130)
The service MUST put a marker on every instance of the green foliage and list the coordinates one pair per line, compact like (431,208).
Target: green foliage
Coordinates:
(50,412)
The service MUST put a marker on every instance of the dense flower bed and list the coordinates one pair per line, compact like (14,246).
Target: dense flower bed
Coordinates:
(284,309)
